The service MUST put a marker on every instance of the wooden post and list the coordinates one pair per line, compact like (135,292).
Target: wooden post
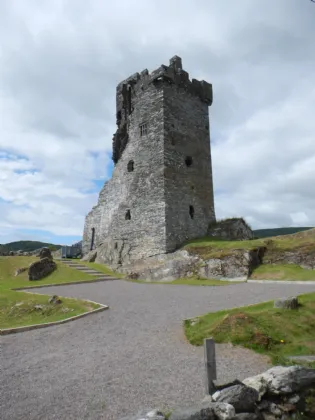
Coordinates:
(210,364)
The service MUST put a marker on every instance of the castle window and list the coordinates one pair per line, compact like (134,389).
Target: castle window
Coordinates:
(116,245)
(92,239)
(130,166)
(128,215)
(191,212)
(188,161)
(143,129)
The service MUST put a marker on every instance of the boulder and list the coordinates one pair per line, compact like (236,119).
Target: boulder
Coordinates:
(55,300)
(231,229)
(40,269)
(90,256)
(45,253)
(243,398)
(286,303)
(281,380)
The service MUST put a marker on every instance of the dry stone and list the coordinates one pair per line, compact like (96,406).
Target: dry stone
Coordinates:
(40,269)
(231,229)
(287,303)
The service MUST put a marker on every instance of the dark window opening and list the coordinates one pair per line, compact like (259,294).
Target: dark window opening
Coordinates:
(129,100)
(173,125)
(128,215)
(116,245)
(188,161)
(143,130)
(130,166)
(92,239)
(191,212)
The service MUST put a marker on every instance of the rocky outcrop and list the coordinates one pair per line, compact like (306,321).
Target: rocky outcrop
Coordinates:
(235,229)
(280,393)
(167,267)
(304,256)
(40,269)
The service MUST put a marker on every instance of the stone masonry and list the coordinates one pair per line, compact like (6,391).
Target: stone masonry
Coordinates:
(161,191)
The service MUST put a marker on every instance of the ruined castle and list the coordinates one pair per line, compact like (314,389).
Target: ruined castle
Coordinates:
(161,191)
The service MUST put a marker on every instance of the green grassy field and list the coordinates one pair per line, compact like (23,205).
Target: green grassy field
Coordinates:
(276,333)
(19,308)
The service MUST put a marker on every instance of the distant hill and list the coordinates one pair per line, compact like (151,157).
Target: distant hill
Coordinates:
(266,233)
(27,246)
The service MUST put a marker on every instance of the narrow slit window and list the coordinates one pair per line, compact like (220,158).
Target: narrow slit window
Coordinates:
(143,129)
(191,212)
(128,215)
(130,166)
(188,161)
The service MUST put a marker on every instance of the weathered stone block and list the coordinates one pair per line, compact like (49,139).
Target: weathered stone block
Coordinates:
(287,303)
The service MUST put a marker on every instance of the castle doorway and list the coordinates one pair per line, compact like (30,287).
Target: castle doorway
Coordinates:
(92,239)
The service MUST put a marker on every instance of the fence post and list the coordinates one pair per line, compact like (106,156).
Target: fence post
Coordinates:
(210,364)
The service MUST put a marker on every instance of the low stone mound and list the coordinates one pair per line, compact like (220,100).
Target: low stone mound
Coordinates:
(40,269)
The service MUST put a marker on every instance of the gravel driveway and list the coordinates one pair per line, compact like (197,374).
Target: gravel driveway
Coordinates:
(132,356)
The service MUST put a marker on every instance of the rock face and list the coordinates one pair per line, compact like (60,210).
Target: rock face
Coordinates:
(161,191)
(231,229)
(90,256)
(287,303)
(179,264)
(40,269)
(165,267)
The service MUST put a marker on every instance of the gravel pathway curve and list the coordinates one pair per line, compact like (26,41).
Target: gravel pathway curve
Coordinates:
(130,357)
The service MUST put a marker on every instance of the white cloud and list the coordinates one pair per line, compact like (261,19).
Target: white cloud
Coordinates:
(59,65)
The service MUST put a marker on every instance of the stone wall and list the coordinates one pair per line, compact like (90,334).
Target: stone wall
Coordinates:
(281,393)
(155,199)
(234,229)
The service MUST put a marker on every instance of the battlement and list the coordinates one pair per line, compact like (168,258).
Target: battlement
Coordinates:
(173,74)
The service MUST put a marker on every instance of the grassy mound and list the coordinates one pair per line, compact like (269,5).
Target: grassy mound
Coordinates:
(274,332)
(20,308)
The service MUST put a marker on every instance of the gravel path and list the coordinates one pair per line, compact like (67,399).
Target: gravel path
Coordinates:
(130,357)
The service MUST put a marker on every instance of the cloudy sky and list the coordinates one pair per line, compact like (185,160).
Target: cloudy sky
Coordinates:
(60,62)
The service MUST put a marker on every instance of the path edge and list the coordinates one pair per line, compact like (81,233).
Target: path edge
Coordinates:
(15,330)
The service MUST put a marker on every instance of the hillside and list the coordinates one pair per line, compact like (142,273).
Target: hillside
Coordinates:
(27,246)
(267,233)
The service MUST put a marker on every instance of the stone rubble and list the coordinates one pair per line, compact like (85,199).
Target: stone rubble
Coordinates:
(280,393)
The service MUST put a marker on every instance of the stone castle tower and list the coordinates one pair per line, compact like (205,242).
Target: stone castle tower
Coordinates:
(161,191)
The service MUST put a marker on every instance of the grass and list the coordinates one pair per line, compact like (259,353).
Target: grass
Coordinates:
(282,272)
(102,268)
(209,247)
(18,308)
(276,333)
